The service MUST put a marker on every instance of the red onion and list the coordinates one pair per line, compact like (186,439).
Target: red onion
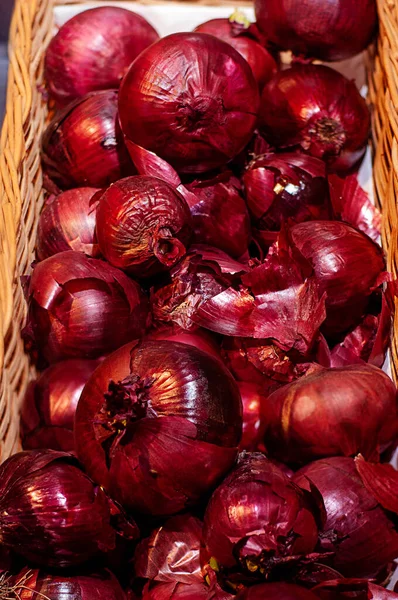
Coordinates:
(49,408)
(81,307)
(286,186)
(220,216)
(50,511)
(331,412)
(252,398)
(31,584)
(205,117)
(83,145)
(68,223)
(353,588)
(200,338)
(93,50)
(347,267)
(236,32)
(358,530)
(276,591)
(143,225)
(319,110)
(153,395)
(329,31)
(257,518)
(176,591)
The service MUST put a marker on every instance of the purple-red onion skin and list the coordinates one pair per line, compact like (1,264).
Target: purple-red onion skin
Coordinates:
(82,307)
(93,50)
(261,62)
(163,393)
(83,145)
(198,127)
(252,398)
(339,589)
(67,222)
(333,412)
(256,516)
(51,512)
(220,216)
(317,109)
(330,31)
(276,591)
(358,531)
(175,591)
(48,412)
(143,225)
(31,584)
(200,338)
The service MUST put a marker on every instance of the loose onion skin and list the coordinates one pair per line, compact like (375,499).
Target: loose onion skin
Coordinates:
(358,531)
(93,50)
(332,412)
(261,62)
(50,403)
(276,591)
(328,31)
(81,307)
(83,145)
(205,117)
(143,225)
(317,109)
(67,222)
(151,394)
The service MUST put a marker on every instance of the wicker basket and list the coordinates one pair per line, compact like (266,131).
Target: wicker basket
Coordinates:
(21,179)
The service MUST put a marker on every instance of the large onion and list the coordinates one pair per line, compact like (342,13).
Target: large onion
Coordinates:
(151,396)
(93,50)
(319,110)
(190,98)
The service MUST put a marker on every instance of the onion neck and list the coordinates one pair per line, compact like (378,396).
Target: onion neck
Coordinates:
(128,401)
(167,249)
(326,137)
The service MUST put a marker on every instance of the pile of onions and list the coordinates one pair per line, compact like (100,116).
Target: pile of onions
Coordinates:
(83,145)
(331,30)
(236,31)
(317,109)
(67,222)
(143,225)
(333,412)
(81,307)
(93,50)
(145,397)
(195,127)
(48,411)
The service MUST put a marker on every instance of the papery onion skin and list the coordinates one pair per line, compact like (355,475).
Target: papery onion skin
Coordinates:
(276,591)
(51,512)
(143,225)
(260,60)
(48,412)
(83,145)
(67,222)
(159,393)
(328,31)
(331,412)
(220,216)
(31,584)
(319,110)
(200,338)
(352,588)
(93,50)
(198,127)
(347,265)
(257,517)
(359,532)
(81,307)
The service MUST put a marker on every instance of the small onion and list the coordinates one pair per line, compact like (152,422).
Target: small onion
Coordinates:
(319,110)
(81,307)
(68,223)
(190,98)
(93,50)
(331,412)
(220,216)
(331,30)
(358,531)
(83,145)
(257,518)
(153,395)
(236,32)
(276,591)
(49,407)
(143,225)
